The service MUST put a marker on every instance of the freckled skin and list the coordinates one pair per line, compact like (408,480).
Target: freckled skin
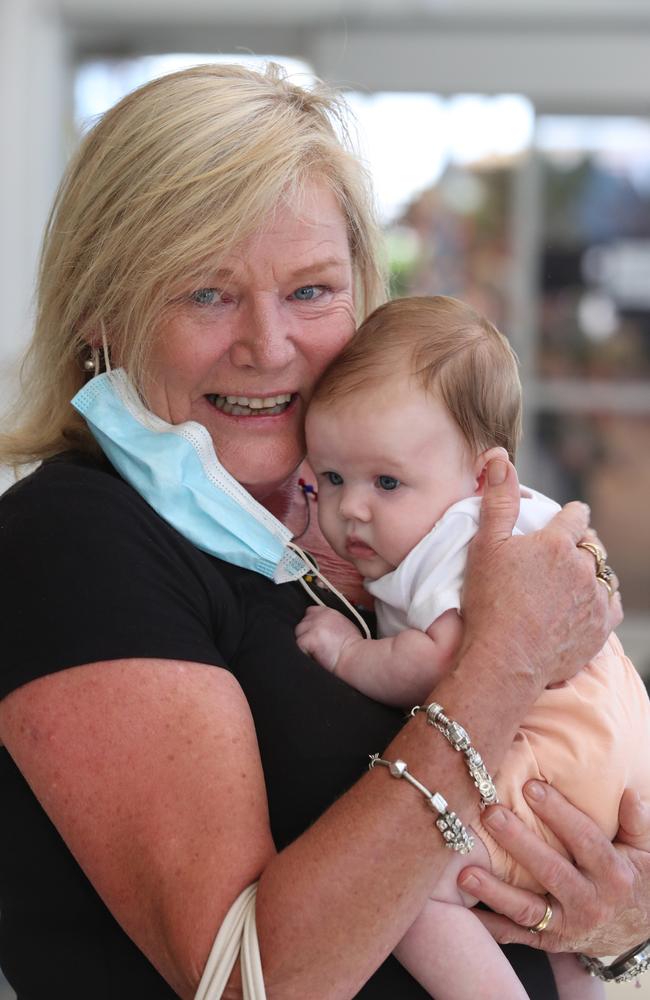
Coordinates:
(280,308)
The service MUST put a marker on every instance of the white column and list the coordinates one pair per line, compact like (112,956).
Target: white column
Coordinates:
(33,76)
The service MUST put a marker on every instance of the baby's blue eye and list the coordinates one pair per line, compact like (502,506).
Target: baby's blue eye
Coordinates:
(388,482)
(205,296)
(334,478)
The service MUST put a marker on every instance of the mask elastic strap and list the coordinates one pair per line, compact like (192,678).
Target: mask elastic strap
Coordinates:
(311,562)
(107,360)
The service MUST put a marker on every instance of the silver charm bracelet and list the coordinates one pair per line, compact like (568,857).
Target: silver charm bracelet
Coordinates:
(460,740)
(454,834)
(622,969)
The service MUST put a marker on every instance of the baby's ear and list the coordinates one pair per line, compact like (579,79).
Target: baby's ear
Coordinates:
(481,464)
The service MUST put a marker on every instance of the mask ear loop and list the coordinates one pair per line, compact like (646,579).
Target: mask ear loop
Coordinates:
(315,571)
(107,360)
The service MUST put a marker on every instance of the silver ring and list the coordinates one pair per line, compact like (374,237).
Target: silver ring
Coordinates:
(544,922)
(605,575)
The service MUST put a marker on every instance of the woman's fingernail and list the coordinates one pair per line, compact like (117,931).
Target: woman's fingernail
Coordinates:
(496,472)
(496,820)
(535,790)
(469,882)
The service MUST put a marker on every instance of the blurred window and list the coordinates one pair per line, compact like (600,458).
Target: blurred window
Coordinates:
(591,368)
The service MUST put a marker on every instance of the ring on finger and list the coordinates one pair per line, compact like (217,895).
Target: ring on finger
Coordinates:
(542,924)
(596,552)
(605,575)
(591,536)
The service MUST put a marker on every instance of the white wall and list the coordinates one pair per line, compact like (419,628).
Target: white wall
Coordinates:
(33,71)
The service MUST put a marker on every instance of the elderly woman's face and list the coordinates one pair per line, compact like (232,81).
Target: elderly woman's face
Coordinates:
(242,354)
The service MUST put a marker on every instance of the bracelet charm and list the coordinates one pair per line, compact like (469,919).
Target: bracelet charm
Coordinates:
(460,740)
(454,834)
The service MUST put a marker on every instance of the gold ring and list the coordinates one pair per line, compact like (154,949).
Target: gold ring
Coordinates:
(596,552)
(544,922)
(604,573)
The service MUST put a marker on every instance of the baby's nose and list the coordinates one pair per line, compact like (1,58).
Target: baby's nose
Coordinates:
(353,506)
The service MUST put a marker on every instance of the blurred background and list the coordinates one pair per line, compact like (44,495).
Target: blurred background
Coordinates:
(509,141)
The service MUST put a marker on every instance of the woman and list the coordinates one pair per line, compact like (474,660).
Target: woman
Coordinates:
(167,743)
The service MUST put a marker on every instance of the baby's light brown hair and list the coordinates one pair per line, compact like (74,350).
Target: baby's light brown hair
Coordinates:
(451,351)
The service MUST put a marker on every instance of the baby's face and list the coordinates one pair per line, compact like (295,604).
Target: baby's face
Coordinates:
(389,462)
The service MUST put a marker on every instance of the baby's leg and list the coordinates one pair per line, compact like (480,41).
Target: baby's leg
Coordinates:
(448,950)
(573,981)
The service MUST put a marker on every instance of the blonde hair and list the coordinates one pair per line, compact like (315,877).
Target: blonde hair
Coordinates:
(451,351)
(169,180)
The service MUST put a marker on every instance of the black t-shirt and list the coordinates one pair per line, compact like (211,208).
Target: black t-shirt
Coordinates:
(91,573)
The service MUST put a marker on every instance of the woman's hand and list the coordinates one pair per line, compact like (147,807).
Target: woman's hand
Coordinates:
(534,599)
(601,904)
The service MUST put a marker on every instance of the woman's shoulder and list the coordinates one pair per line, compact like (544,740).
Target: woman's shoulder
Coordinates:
(78,500)
(76,511)
(67,496)
(66,479)
(92,573)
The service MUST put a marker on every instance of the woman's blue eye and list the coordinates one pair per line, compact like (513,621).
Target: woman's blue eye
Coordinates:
(388,482)
(334,478)
(307,293)
(205,296)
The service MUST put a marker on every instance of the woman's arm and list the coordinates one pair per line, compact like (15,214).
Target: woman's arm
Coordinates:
(601,905)
(151,772)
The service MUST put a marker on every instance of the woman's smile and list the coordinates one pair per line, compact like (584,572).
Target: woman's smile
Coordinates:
(252,406)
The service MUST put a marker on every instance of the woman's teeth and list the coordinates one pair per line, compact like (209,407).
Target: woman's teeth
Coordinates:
(247,406)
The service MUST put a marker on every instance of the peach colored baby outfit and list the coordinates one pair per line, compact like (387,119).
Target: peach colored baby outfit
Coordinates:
(589,737)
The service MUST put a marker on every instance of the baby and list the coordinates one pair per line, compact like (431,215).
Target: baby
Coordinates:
(399,433)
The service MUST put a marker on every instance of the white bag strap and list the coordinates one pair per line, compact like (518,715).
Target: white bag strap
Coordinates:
(237,935)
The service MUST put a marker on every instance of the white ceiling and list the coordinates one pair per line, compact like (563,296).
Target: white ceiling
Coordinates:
(305,11)
(559,52)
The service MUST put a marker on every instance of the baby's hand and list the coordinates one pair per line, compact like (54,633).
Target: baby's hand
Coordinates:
(324,634)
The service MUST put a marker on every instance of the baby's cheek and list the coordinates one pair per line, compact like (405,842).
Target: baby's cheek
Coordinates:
(328,524)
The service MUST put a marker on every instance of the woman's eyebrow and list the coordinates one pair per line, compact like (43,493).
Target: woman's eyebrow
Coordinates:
(324,264)
(224,274)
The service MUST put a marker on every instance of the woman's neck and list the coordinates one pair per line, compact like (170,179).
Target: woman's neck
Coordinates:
(281,501)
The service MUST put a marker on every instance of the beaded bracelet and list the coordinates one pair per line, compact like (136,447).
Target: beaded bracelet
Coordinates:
(460,740)
(453,832)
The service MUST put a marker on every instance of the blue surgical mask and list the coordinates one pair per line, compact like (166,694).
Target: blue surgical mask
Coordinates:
(174,467)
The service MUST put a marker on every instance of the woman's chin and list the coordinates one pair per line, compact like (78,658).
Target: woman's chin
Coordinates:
(260,453)
(268,484)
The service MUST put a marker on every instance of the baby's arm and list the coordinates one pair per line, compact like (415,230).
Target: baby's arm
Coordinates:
(400,670)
